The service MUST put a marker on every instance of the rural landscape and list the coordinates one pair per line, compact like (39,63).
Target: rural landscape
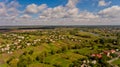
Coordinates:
(61,47)
(59,33)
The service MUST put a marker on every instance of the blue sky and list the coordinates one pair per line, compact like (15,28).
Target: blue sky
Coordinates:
(90,5)
(50,3)
(77,11)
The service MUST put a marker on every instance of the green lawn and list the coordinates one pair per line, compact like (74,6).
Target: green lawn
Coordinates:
(63,59)
(116,62)
(57,59)
(39,65)
(3,65)
(84,51)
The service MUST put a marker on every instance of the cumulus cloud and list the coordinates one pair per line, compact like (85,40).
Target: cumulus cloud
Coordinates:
(26,16)
(111,12)
(9,9)
(88,15)
(33,8)
(3,10)
(59,15)
(12,4)
(57,12)
(42,7)
(72,3)
(103,3)
(68,11)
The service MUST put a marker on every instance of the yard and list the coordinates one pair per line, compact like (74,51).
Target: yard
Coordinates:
(116,62)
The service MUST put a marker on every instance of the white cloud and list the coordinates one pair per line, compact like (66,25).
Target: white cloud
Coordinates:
(87,15)
(9,9)
(111,12)
(13,4)
(65,12)
(26,16)
(3,10)
(42,7)
(72,3)
(59,15)
(33,8)
(68,11)
(12,12)
(103,3)
(57,12)
(73,12)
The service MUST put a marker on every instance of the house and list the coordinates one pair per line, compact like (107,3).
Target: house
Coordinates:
(97,55)
(112,51)
(107,53)
(94,62)
(93,55)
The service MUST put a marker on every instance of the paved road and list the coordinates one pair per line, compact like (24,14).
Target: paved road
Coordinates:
(110,61)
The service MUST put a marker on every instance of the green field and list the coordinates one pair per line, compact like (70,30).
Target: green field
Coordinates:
(59,47)
(116,62)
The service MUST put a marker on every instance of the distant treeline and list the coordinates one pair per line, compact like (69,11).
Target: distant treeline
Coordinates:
(55,26)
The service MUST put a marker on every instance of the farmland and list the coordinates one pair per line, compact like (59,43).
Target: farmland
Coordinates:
(60,47)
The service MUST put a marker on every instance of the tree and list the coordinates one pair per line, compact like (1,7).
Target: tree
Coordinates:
(40,58)
(9,60)
(102,40)
(30,52)
(118,38)
(24,61)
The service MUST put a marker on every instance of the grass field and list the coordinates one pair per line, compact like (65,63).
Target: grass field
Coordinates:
(116,62)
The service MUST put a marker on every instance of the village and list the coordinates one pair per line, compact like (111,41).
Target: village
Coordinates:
(87,47)
(17,40)
(106,55)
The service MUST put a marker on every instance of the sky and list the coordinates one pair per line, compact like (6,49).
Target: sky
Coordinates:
(59,12)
